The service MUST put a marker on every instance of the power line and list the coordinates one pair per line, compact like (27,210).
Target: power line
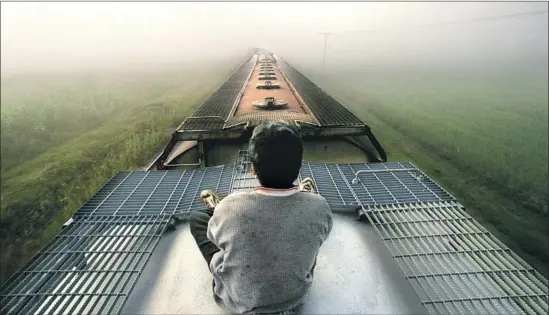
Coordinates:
(325,46)
(456,22)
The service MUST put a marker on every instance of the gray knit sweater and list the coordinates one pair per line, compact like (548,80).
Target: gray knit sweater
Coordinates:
(269,241)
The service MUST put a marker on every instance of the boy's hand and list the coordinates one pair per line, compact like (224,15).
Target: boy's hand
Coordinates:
(307,185)
(210,198)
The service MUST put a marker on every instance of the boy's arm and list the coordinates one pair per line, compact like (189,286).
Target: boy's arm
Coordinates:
(221,223)
(329,219)
(215,227)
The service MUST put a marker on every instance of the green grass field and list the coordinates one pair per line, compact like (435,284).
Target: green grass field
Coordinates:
(64,135)
(481,136)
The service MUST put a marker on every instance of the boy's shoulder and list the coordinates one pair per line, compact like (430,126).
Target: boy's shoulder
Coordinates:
(235,196)
(306,195)
(313,197)
(238,194)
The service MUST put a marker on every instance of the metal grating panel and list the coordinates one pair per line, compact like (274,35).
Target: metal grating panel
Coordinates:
(138,193)
(203,123)
(326,109)
(392,182)
(243,179)
(255,118)
(454,264)
(90,267)
(330,183)
(157,192)
(383,183)
(205,178)
(217,107)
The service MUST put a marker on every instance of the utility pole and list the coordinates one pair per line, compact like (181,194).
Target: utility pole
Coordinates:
(325,46)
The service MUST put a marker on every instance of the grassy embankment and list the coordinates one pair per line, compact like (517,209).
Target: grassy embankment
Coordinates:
(64,135)
(482,137)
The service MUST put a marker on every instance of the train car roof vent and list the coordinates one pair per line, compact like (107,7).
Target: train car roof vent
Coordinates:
(268,85)
(270,103)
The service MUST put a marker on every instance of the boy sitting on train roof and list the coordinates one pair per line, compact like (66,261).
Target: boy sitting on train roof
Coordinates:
(261,246)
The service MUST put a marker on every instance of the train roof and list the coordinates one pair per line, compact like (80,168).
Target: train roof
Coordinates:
(231,112)
(228,108)
(414,249)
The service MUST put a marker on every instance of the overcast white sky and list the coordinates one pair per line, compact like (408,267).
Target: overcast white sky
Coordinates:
(105,34)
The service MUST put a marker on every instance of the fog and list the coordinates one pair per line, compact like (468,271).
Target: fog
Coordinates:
(92,35)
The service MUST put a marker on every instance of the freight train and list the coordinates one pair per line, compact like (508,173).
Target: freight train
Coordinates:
(400,242)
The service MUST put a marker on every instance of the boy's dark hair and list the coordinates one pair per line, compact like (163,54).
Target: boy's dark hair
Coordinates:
(276,151)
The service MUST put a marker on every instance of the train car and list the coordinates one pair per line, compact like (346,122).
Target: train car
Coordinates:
(224,122)
(400,242)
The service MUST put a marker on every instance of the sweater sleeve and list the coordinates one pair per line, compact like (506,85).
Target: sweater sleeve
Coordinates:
(330,218)
(223,219)
(219,223)
(215,226)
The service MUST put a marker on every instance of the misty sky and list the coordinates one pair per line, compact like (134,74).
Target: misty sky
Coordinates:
(37,36)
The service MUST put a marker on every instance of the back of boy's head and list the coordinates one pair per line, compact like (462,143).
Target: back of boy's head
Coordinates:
(276,151)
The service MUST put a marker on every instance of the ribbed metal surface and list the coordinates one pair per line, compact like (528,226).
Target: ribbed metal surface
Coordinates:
(139,193)
(330,183)
(88,268)
(381,183)
(157,192)
(204,123)
(220,102)
(328,111)
(392,182)
(217,108)
(454,264)
(217,178)
(243,179)
(91,266)
(255,118)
